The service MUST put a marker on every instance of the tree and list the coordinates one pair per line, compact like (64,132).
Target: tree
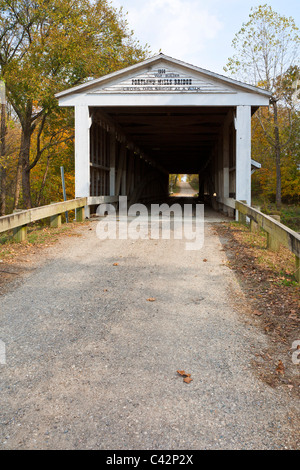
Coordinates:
(3,131)
(267,50)
(10,137)
(50,45)
(53,148)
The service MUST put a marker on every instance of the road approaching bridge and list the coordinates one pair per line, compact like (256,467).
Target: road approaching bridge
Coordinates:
(96,332)
(186,190)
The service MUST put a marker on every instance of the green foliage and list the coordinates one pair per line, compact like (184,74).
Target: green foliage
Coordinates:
(264,180)
(194,181)
(267,55)
(290,216)
(266,46)
(50,45)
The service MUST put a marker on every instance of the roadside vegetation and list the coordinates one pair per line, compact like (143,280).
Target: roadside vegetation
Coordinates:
(194,182)
(174,179)
(38,234)
(266,54)
(289,213)
(273,297)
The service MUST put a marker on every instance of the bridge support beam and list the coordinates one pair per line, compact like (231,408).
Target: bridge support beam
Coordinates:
(82,152)
(225,162)
(112,164)
(243,153)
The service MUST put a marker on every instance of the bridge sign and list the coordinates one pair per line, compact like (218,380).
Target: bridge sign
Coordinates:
(165,80)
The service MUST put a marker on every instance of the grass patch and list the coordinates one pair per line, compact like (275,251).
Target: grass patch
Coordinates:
(38,235)
(281,263)
(289,213)
(176,189)
(290,216)
(195,185)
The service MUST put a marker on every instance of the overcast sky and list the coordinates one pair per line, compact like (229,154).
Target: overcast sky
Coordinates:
(199,32)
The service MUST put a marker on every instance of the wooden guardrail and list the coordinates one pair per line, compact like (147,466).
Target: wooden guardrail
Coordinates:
(277,233)
(19,220)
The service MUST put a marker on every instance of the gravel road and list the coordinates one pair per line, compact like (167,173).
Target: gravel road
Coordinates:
(186,190)
(91,363)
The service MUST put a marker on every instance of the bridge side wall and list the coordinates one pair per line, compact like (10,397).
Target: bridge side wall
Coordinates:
(231,161)
(109,164)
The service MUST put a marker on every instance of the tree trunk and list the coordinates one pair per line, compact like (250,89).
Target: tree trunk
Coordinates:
(26,187)
(18,183)
(277,149)
(23,172)
(3,130)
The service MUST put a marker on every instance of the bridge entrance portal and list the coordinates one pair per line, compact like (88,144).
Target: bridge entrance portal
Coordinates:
(135,127)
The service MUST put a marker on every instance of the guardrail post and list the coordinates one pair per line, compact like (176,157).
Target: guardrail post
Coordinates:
(20,233)
(272,243)
(277,233)
(297,272)
(80,214)
(55,220)
(254,227)
(241,216)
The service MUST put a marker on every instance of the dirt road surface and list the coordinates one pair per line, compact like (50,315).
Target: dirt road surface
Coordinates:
(186,190)
(91,362)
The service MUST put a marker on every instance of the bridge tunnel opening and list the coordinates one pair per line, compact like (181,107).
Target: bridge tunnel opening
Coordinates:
(184,185)
(134,150)
(136,126)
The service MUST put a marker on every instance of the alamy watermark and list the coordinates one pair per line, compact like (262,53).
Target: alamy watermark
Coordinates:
(296,353)
(161,222)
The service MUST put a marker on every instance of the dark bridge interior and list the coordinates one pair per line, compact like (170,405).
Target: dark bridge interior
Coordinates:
(180,139)
(134,149)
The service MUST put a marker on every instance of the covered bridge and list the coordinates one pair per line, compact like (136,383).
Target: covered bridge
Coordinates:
(161,116)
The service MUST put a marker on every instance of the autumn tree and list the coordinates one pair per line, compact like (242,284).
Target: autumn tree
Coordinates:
(3,131)
(267,49)
(47,46)
(193,180)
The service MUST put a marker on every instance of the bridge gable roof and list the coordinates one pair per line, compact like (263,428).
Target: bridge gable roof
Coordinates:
(162,74)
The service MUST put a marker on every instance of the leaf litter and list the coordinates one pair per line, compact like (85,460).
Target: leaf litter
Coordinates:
(273,300)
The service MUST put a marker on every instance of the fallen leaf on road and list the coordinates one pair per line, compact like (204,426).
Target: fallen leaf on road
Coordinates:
(183,373)
(187,380)
(151,299)
(205,260)
(258,313)
(280,368)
